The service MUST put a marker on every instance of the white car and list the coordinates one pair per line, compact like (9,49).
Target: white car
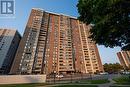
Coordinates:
(126,73)
(104,73)
(59,76)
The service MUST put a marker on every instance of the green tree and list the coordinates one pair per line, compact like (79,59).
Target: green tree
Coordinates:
(111,68)
(110,19)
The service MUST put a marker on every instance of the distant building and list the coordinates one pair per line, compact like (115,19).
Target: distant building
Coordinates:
(124,58)
(55,43)
(9,41)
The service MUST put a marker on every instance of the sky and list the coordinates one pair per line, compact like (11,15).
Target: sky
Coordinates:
(68,7)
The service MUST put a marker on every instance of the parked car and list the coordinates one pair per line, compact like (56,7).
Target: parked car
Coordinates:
(104,73)
(59,76)
(126,73)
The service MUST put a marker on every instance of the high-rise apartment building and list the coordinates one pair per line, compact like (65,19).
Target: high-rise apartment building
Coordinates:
(9,41)
(56,43)
(124,58)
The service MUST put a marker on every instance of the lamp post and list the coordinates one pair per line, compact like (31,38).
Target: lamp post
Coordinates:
(54,76)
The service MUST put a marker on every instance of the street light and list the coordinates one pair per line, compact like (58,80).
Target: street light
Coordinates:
(54,76)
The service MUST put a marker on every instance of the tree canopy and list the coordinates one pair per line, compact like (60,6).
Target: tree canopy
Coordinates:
(112,68)
(111,20)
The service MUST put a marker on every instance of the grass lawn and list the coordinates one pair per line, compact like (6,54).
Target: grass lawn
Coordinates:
(23,85)
(76,86)
(95,81)
(122,80)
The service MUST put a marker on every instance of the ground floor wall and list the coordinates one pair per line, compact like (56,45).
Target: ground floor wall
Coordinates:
(20,79)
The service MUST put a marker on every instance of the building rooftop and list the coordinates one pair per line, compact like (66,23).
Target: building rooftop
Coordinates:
(54,13)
